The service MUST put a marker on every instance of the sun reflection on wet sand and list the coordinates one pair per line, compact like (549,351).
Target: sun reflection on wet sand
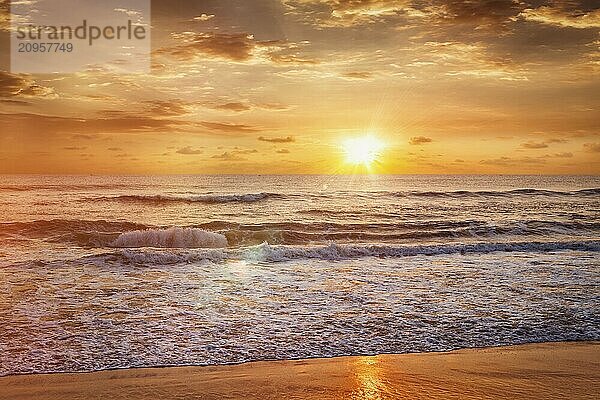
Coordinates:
(370,385)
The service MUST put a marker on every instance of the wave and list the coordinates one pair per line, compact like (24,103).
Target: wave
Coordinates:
(66,187)
(82,233)
(332,252)
(93,234)
(211,198)
(204,198)
(172,238)
(336,252)
(495,193)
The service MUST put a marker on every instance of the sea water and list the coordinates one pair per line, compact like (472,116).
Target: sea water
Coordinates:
(118,272)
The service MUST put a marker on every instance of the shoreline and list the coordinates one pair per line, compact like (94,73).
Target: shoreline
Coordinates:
(241,363)
(536,370)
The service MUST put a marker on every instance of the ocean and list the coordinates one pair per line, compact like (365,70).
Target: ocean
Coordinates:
(118,272)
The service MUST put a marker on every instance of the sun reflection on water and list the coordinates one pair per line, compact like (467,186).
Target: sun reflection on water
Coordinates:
(370,385)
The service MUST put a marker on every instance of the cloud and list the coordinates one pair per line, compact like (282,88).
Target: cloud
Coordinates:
(166,107)
(10,84)
(188,150)
(286,139)
(203,17)
(233,47)
(592,147)
(21,85)
(358,75)
(282,151)
(273,106)
(487,14)
(563,17)
(114,149)
(351,13)
(534,145)
(73,148)
(345,13)
(458,59)
(227,127)
(509,161)
(556,140)
(15,102)
(563,155)
(244,151)
(419,140)
(233,106)
(239,106)
(44,125)
(542,145)
(227,156)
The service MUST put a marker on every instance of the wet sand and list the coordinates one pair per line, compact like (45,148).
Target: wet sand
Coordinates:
(534,371)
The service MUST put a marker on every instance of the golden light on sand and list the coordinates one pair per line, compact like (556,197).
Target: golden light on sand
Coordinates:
(363,150)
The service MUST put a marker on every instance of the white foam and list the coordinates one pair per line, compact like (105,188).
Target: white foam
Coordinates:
(267,252)
(171,238)
(203,198)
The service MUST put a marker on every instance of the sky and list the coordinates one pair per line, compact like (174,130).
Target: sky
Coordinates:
(282,87)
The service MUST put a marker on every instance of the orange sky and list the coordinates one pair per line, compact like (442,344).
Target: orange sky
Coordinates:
(277,86)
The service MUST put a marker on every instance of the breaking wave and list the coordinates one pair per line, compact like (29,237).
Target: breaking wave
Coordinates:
(94,234)
(203,198)
(333,252)
(172,238)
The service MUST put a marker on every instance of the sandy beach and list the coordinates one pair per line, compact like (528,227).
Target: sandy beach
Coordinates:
(533,371)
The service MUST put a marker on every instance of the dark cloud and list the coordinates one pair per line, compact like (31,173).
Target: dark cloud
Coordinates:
(233,47)
(22,85)
(10,84)
(286,139)
(358,75)
(233,106)
(227,127)
(419,140)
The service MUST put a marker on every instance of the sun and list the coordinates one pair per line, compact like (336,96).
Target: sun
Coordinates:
(362,150)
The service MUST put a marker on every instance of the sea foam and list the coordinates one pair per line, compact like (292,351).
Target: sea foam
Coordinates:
(171,238)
